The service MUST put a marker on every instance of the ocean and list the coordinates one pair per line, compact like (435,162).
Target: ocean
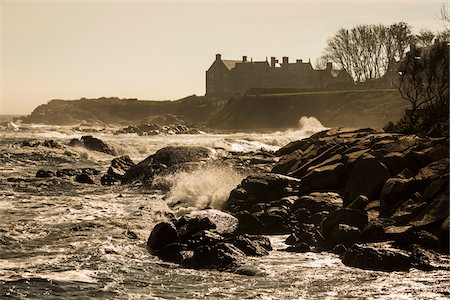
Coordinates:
(60,239)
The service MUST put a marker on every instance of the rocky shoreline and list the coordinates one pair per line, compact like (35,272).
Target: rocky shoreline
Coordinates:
(379,200)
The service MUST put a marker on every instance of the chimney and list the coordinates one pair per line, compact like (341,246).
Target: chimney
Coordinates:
(273,61)
(299,61)
(285,60)
(329,66)
(218,57)
(244,58)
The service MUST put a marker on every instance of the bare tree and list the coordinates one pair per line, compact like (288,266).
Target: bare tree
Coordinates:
(425,37)
(445,15)
(366,51)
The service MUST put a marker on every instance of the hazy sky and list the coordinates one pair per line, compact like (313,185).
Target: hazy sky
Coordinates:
(157,50)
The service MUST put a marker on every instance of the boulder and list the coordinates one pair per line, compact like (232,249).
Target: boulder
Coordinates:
(162,235)
(367,178)
(288,163)
(436,211)
(262,188)
(345,234)
(360,203)
(84,178)
(332,230)
(432,172)
(252,245)
(318,202)
(44,174)
(219,221)
(325,176)
(92,143)
(174,155)
(377,257)
(395,191)
(223,256)
(119,166)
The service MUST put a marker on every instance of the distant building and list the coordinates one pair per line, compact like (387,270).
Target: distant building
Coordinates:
(229,77)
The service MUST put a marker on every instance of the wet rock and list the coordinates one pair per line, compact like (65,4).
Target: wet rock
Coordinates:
(319,201)
(119,166)
(378,257)
(395,191)
(222,222)
(252,245)
(44,174)
(84,178)
(222,256)
(162,235)
(325,176)
(288,163)
(262,188)
(205,240)
(333,231)
(174,155)
(366,178)
(360,203)
(92,143)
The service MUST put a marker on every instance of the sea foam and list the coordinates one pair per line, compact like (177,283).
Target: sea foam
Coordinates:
(209,186)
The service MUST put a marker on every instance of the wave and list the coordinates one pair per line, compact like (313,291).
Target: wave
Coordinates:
(207,187)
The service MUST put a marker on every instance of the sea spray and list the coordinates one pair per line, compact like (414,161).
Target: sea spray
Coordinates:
(310,125)
(209,186)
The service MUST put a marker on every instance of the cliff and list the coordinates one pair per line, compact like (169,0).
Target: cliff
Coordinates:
(353,108)
(191,109)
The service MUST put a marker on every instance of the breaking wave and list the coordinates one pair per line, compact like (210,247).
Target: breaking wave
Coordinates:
(207,187)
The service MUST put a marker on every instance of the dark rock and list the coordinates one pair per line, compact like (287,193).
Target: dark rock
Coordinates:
(288,163)
(378,257)
(432,172)
(92,143)
(434,188)
(436,211)
(325,176)
(44,174)
(389,127)
(298,248)
(366,178)
(108,180)
(170,252)
(162,235)
(186,228)
(318,202)
(263,188)
(374,232)
(332,230)
(174,155)
(222,256)
(275,221)
(395,191)
(345,234)
(408,211)
(119,166)
(84,178)
(359,203)
(248,223)
(251,246)
(220,221)
(339,249)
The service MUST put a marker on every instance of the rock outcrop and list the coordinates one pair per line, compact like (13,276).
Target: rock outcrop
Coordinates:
(206,240)
(92,143)
(343,188)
